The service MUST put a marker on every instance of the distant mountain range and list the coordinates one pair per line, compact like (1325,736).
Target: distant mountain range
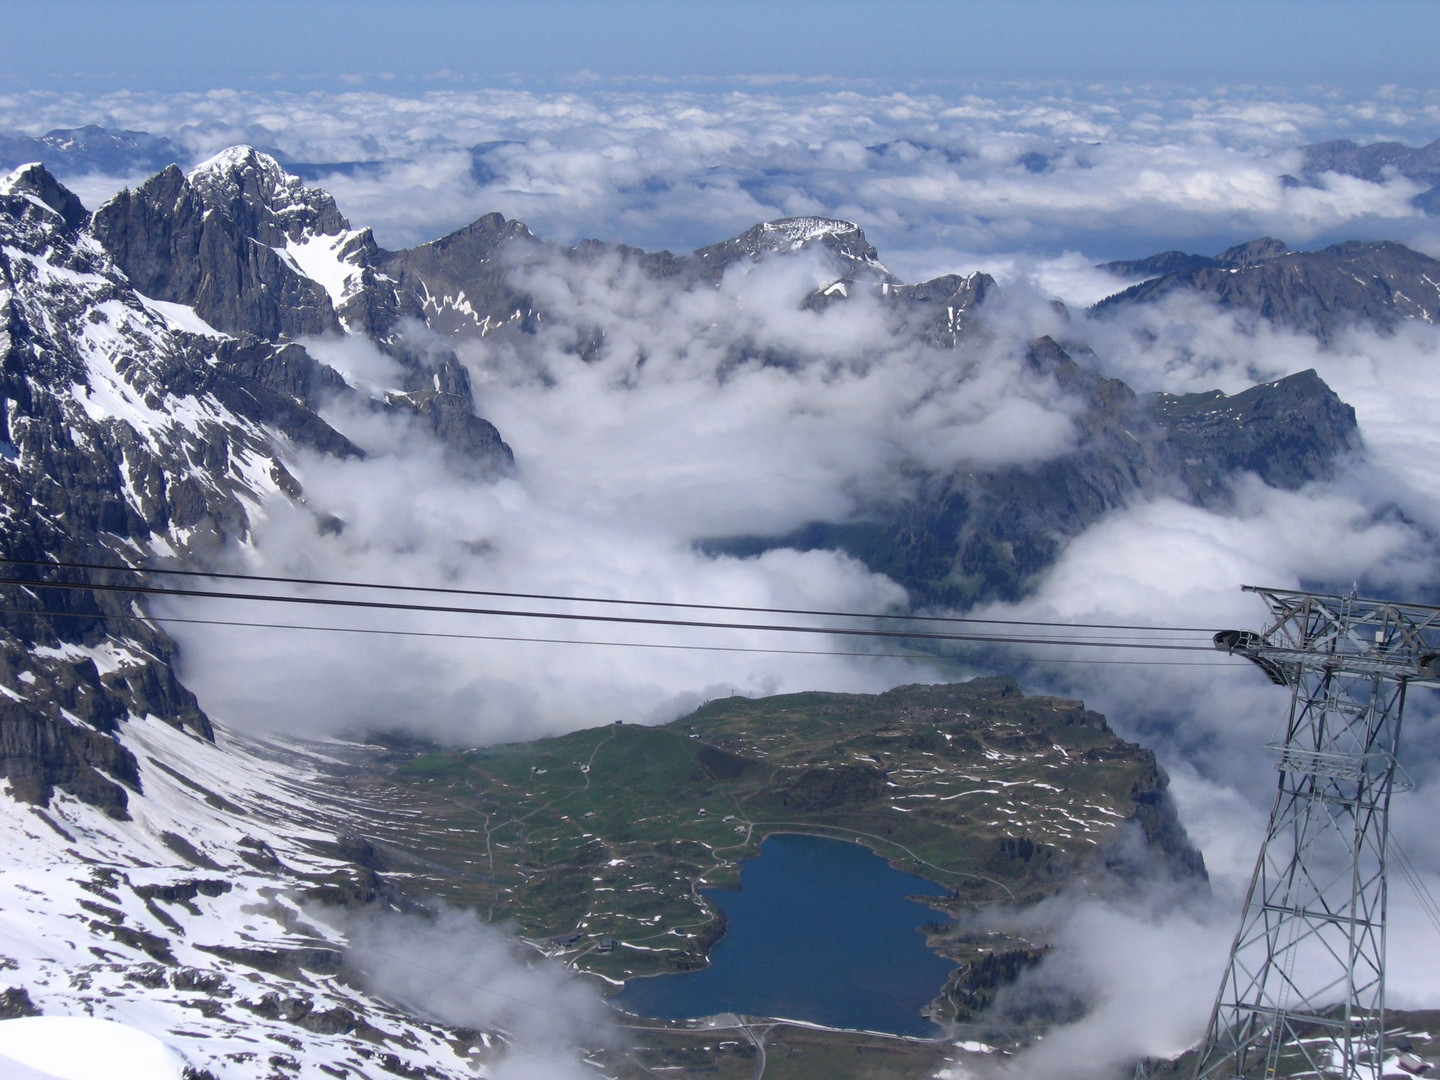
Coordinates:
(89,149)
(96,149)
(1376,284)
(1374,162)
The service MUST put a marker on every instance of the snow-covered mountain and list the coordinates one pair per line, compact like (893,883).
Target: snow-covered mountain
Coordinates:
(149,867)
(192,916)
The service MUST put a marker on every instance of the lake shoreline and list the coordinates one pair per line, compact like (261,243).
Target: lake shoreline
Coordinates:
(824,930)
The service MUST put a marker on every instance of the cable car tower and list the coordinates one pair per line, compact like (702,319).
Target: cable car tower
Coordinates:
(1305,988)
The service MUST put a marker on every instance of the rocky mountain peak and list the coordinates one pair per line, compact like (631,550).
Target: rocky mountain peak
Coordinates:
(228,240)
(1253,252)
(853,255)
(235,162)
(243,182)
(34,181)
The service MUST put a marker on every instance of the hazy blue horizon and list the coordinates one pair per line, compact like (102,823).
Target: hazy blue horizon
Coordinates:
(167,45)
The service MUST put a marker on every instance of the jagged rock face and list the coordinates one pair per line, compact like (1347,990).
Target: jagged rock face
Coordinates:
(1318,292)
(460,284)
(126,436)
(259,255)
(36,182)
(219,241)
(120,435)
(942,309)
(443,398)
(1287,432)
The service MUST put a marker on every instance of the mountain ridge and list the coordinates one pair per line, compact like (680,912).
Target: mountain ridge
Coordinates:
(1375,162)
(940,547)
(1355,283)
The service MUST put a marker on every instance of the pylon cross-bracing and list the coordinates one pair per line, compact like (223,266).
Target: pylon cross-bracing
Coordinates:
(1305,989)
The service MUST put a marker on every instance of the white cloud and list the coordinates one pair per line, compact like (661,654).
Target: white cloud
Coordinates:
(679,431)
(1109,170)
(1146,967)
(455,969)
(701,435)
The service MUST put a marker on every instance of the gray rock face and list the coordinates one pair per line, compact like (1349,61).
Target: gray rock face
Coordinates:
(237,240)
(460,284)
(1318,292)
(942,309)
(123,434)
(1287,433)
(214,241)
(444,400)
(119,435)
(35,180)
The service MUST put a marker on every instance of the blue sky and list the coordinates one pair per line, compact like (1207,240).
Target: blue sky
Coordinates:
(185,44)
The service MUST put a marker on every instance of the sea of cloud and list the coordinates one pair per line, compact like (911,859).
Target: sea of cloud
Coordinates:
(933,174)
(710,413)
(675,434)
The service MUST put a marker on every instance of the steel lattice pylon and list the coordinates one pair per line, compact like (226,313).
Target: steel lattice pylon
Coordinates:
(1305,989)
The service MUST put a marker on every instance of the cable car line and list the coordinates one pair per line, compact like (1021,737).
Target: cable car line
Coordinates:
(933,657)
(445,590)
(633,620)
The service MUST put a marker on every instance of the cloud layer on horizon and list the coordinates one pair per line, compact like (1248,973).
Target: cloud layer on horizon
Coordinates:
(937,179)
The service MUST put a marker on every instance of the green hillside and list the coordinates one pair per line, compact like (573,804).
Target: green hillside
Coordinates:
(598,842)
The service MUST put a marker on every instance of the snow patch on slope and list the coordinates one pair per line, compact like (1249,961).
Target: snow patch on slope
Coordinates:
(82,1048)
(181,317)
(799,230)
(10,180)
(329,261)
(161,923)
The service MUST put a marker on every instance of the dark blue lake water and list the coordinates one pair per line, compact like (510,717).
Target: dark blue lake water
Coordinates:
(820,930)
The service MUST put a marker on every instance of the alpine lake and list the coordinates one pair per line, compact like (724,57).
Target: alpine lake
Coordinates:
(821,930)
